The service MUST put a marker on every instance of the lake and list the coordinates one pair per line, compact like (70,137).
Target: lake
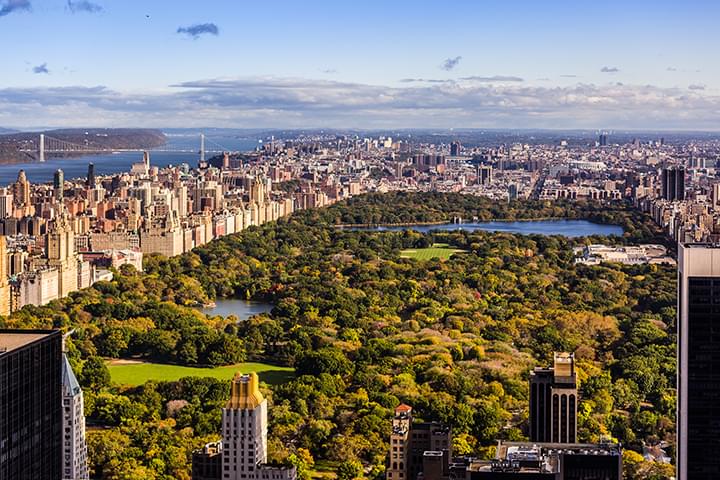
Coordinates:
(242,309)
(567,228)
(109,163)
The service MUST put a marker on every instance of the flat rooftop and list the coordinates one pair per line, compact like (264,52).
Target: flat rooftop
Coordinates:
(13,339)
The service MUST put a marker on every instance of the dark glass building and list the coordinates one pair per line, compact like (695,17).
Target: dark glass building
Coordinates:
(30,406)
(207,462)
(545,461)
(673,183)
(698,422)
(553,401)
(91,175)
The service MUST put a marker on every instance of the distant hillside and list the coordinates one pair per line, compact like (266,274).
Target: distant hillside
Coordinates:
(4,131)
(11,143)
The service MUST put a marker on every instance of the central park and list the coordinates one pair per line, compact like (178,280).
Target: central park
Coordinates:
(450,322)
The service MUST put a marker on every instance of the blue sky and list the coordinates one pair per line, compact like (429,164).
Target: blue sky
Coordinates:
(237,63)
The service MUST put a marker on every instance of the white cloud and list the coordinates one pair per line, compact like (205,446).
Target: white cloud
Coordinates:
(298,102)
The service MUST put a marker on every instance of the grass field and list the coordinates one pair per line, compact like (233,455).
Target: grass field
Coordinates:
(137,373)
(438,250)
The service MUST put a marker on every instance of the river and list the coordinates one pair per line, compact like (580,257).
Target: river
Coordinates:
(567,228)
(109,163)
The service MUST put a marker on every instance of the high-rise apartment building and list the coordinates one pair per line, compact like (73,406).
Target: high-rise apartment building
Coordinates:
(60,254)
(418,448)
(455,148)
(673,183)
(22,190)
(74,448)
(59,185)
(30,406)
(6,203)
(91,175)
(485,174)
(244,428)
(243,450)
(4,272)
(698,414)
(553,401)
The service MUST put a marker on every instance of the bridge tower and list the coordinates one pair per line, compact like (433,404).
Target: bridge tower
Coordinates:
(202,148)
(42,147)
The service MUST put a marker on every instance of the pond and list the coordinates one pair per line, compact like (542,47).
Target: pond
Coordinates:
(242,309)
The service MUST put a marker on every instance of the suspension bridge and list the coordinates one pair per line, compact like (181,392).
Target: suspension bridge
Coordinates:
(48,145)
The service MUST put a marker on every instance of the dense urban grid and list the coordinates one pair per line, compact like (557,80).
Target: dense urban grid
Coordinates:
(510,356)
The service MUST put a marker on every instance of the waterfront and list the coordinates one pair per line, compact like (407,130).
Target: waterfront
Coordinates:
(567,228)
(111,163)
(242,309)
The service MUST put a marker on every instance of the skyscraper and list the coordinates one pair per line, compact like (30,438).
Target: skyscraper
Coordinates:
(6,202)
(418,448)
(59,185)
(244,428)
(485,174)
(91,175)
(673,183)
(22,190)
(60,253)
(455,148)
(30,406)
(698,416)
(553,401)
(74,448)
(4,272)
(244,438)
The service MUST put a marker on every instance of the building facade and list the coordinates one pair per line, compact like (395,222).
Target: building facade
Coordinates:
(244,429)
(553,401)
(30,407)
(418,449)
(74,447)
(4,284)
(698,421)
(242,452)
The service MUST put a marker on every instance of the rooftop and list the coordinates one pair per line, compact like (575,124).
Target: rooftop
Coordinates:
(14,339)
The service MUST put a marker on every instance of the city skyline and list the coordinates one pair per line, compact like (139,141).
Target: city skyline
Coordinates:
(316,65)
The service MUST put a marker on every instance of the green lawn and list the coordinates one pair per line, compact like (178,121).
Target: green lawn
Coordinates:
(438,250)
(139,373)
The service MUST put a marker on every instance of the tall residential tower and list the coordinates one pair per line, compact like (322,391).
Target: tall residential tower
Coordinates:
(553,401)
(74,447)
(698,412)
(30,407)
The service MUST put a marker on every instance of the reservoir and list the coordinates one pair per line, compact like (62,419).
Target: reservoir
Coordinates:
(567,228)
(242,309)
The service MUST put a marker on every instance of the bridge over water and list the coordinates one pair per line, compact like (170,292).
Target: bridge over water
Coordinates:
(51,145)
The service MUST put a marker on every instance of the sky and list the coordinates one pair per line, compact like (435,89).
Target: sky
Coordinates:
(647,65)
